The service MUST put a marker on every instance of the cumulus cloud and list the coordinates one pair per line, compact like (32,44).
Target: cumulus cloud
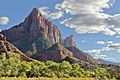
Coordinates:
(48,14)
(97,51)
(4,20)
(100,42)
(44,10)
(117,36)
(88,16)
(103,42)
(108,46)
(56,15)
(114,47)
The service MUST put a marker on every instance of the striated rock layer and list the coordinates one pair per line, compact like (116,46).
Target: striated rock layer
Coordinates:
(6,47)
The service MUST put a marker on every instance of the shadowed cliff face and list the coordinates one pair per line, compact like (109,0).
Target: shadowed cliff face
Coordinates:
(8,49)
(34,28)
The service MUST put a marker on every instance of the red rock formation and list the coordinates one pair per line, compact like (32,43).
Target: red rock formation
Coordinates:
(56,53)
(70,44)
(6,47)
(33,27)
(69,41)
(80,54)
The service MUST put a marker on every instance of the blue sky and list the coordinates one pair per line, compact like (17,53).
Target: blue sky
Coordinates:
(92,33)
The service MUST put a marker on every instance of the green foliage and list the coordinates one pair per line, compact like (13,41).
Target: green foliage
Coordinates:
(13,67)
(2,56)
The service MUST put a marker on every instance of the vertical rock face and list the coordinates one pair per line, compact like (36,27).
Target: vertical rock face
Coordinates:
(69,41)
(33,28)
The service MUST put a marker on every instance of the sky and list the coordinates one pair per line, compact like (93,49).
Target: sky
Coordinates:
(95,24)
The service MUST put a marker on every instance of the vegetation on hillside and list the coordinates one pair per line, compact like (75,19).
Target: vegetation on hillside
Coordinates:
(14,67)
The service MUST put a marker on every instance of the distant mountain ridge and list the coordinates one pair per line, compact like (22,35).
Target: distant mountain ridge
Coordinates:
(102,61)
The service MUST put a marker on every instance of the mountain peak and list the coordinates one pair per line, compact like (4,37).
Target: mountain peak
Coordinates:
(35,14)
(69,41)
(31,31)
(35,10)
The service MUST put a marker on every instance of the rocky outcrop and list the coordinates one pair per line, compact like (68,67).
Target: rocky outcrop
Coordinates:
(70,44)
(33,28)
(6,47)
(80,54)
(69,41)
(55,53)
(71,59)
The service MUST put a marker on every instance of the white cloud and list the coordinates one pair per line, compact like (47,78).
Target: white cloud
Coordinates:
(83,41)
(100,42)
(103,56)
(114,47)
(48,14)
(103,42)
(56,15)
(109,42)
(4,20)
(117,36)
(109,46)
(88,16)
(110,59)
(96,51)
(44,10)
